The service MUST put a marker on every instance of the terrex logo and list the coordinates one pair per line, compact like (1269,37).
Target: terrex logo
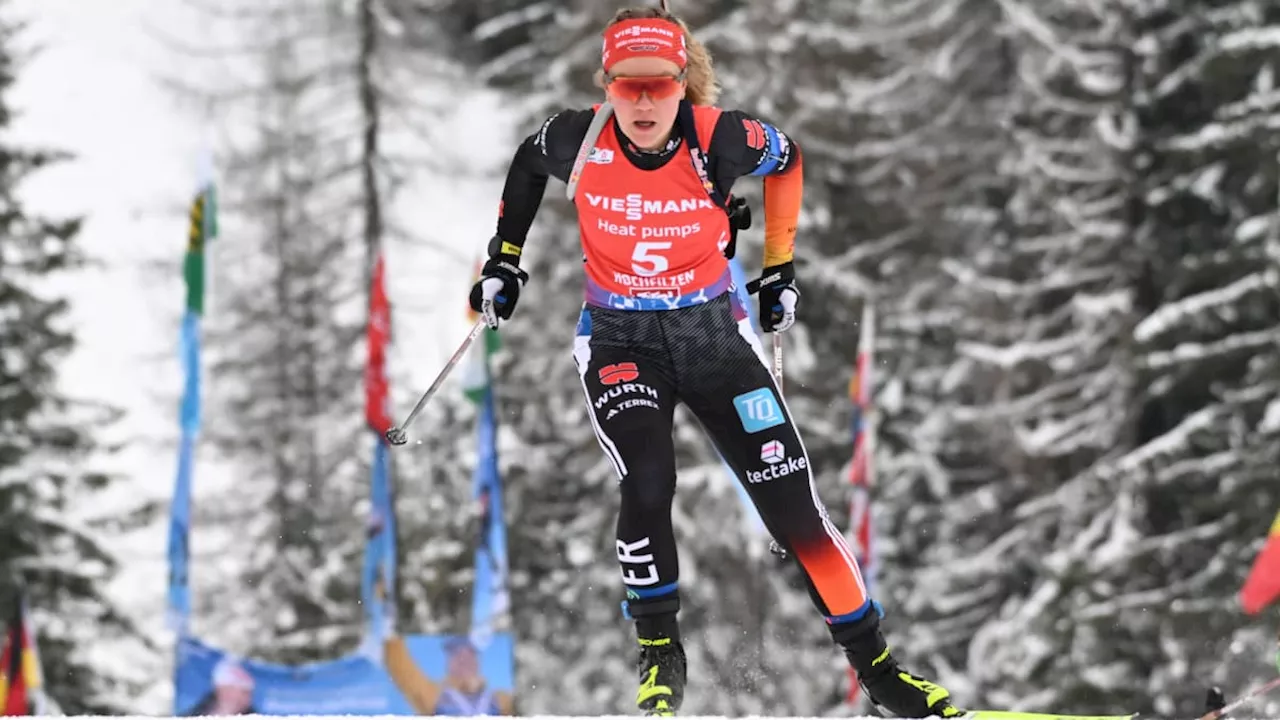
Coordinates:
(635,206)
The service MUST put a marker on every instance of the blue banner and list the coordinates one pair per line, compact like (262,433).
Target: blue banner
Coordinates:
(179,602)
(378,584)
(490,599)
(446,673)
(450,675)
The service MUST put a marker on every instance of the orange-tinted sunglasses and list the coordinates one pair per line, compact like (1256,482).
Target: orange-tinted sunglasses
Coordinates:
(657,87)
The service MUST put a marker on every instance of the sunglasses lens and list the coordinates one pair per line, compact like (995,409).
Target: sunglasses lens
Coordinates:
(658,88)
(663,88)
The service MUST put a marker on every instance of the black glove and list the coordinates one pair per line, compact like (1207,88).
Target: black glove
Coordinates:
(779,297)
(739,219)
(495,294)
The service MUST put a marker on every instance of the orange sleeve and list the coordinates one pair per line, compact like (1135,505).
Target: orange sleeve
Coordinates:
(783,195)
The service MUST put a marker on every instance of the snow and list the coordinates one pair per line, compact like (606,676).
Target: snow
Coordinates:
(1251,39)
(1271,420)
(474,718)
(1169,443)
(1173,315)
(1253,228)
(1192,352)
(495,26)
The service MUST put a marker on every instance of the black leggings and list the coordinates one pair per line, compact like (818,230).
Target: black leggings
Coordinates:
(635,366)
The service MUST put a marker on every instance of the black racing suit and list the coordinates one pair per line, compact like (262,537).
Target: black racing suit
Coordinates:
(636,365)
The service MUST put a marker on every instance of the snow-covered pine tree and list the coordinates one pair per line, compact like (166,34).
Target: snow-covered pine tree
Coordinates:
(900,109)
(1038,389)
(1107,593)
(1202,479)
(55,526)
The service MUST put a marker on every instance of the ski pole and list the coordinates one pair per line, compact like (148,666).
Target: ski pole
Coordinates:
(777,359)
(397,435)
(1252,694)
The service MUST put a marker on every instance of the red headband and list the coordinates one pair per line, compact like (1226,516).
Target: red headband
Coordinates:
(644,37)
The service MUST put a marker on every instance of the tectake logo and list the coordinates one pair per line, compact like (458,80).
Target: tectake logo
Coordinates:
(773,452)
(779,468)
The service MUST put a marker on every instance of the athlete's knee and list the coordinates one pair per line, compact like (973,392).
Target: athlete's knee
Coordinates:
(799,524)
(649,486)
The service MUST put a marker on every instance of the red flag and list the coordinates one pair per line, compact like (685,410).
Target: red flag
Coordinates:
(13,681)
(376,403)
(1262,586)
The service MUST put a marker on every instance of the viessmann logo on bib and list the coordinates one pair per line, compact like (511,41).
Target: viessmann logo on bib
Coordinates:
(635,206)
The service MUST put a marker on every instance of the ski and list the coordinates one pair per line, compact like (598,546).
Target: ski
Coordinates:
(1014,715)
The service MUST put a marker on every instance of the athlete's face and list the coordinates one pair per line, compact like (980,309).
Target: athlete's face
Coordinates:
(646,94)
(463,664)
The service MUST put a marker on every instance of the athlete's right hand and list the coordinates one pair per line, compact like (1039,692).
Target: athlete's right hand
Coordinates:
(495,294)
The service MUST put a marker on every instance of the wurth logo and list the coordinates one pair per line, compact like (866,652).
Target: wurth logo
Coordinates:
(626,388)
(635,206)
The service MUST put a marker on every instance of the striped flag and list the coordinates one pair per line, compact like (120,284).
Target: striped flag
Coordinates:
(377,588)
(21,678)
(862,469)
(202,229)
(1262,586)
(377,402)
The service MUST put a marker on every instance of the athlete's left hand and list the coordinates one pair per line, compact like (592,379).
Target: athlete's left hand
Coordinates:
(779,297)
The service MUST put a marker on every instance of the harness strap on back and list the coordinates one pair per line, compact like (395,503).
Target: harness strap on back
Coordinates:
(736,208)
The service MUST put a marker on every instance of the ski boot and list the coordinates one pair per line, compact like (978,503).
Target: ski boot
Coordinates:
(662,666)
(663,672)
(893,691)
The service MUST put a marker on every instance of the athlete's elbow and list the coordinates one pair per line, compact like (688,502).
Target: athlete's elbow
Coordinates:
(528,155)
(795,163)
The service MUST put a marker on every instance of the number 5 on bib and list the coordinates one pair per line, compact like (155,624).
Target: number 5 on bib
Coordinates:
(648,264)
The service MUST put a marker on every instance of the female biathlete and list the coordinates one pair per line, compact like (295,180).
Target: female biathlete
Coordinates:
(661,324)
